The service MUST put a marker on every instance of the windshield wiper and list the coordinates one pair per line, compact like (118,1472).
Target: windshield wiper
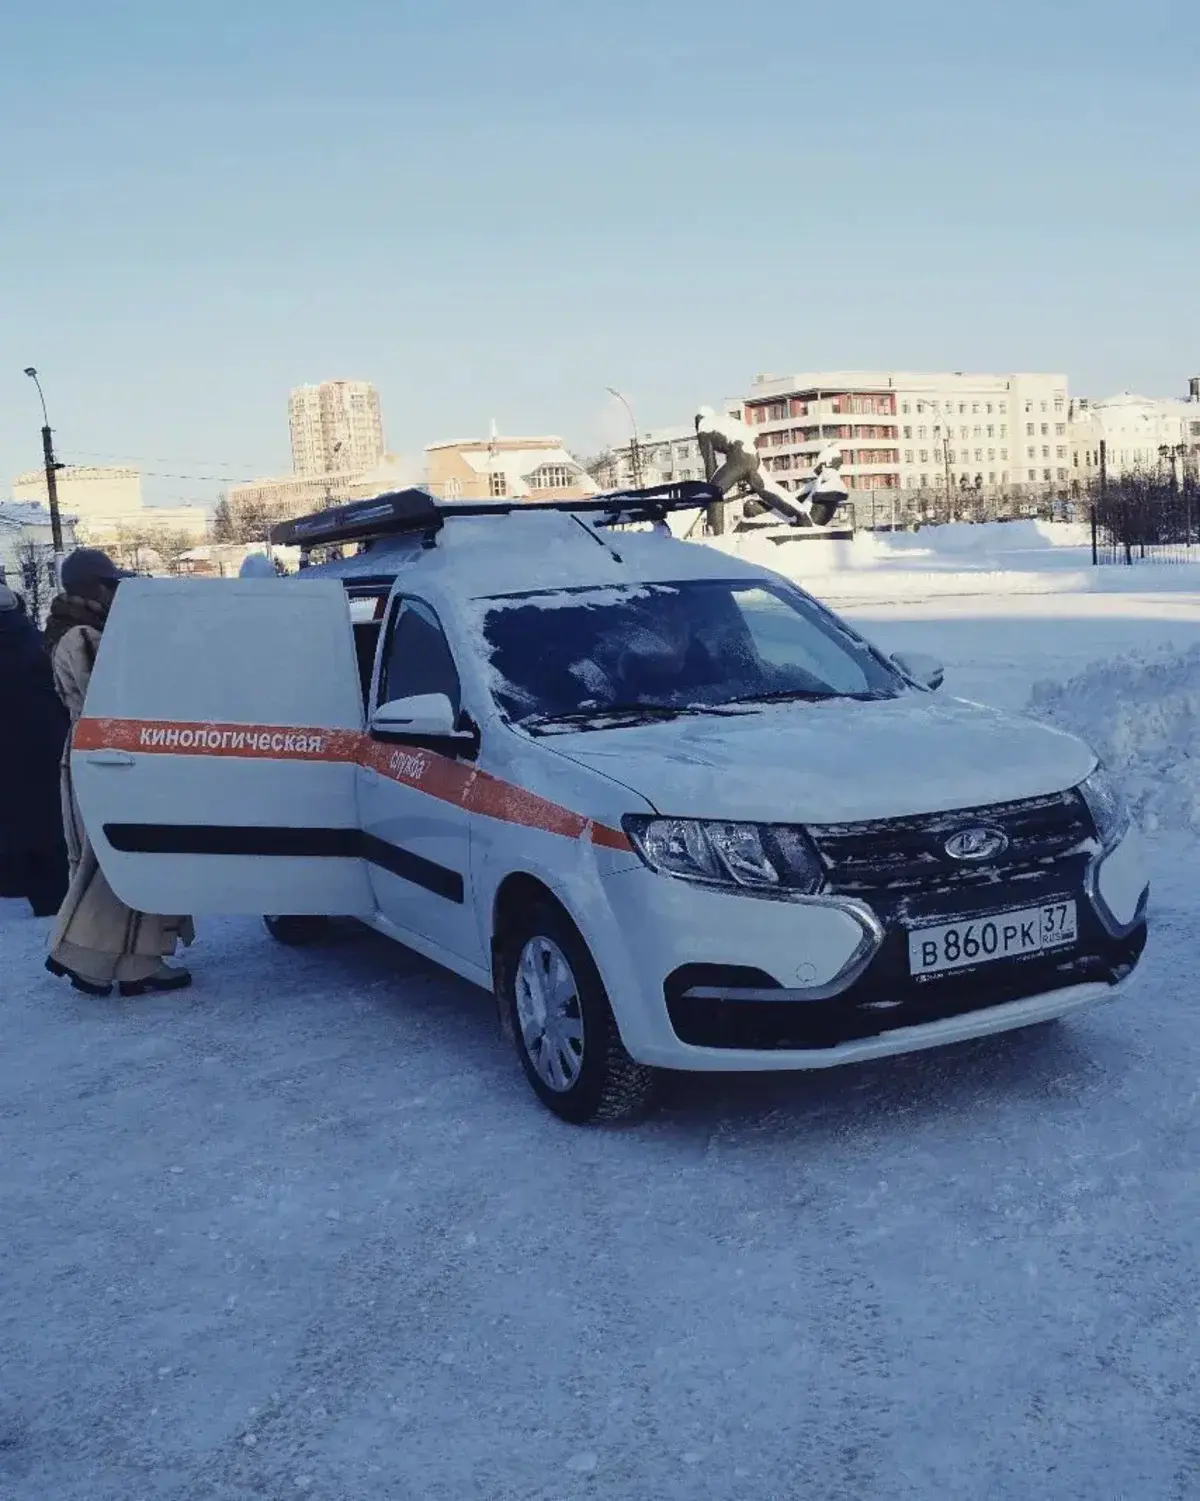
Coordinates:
(783,695)
(633,710)
(801,695)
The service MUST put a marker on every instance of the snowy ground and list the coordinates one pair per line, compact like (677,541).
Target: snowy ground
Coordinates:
(305,1232)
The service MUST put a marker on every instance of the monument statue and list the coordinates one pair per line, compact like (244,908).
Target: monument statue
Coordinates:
(733,463)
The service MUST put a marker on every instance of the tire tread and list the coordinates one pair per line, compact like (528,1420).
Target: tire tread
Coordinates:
(627,1088)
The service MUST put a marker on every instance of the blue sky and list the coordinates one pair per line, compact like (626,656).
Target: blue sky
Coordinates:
(497,210)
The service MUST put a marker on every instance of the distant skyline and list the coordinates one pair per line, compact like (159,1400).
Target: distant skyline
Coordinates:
(497,212)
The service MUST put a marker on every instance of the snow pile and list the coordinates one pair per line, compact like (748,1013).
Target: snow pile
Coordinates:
(1142,717)
(989,538)
(987,545)
(827,555)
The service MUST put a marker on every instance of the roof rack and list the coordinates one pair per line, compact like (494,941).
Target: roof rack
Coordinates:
(416,512)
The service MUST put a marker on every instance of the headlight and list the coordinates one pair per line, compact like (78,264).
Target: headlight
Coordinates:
(1107,806)
(749,856)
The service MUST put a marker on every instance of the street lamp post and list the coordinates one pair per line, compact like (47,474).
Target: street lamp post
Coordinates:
(945,426)
(333,459)
(52,468)
(635,447)
(1172,453)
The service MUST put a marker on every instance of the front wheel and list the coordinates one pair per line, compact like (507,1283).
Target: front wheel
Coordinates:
(297,932)
(555,1007)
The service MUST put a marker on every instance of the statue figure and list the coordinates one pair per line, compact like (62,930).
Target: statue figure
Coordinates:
(740,470)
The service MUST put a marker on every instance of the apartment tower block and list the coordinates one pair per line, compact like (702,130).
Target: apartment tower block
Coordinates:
(336,427)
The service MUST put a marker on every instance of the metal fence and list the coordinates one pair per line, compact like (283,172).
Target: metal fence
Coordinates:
(1141,518)
(904,510)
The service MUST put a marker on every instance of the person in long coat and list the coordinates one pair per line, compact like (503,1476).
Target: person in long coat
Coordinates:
(98,941)
(33,730)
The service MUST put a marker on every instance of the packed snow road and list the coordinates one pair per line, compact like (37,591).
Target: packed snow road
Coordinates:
(304,1231)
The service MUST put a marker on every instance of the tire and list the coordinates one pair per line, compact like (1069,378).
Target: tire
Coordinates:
(589,1076)
(297,932)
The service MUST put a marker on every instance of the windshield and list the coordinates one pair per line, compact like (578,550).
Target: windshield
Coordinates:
(672,648)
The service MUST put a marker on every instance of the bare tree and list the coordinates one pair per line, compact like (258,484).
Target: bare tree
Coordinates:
(604,467)
(146,546)
(252,522)
(36,561)
(128,545)
(222,523)
(246,520)
(170,544)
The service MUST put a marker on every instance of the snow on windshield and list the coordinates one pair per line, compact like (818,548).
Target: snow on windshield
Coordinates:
(560,599)
(698,642)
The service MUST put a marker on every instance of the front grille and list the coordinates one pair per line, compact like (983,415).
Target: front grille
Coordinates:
(909,854)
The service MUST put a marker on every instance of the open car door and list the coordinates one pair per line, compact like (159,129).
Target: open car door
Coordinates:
(215,762)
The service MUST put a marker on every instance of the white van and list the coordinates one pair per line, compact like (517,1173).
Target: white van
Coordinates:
(667,806)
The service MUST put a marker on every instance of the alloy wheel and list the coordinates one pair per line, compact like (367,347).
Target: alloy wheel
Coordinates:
(549,1013)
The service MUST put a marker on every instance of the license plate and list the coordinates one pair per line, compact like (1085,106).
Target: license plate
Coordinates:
(979,940)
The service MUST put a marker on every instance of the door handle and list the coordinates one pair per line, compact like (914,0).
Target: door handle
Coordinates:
(110,758)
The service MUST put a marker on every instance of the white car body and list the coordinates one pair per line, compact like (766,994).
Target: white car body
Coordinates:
(227,763)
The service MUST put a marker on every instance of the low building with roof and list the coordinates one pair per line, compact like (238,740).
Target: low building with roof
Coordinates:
(498,468)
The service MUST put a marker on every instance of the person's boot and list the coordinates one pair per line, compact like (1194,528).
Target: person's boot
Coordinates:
(163,978)
(88,987)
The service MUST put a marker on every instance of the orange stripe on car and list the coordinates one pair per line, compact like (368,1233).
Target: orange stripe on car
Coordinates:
(504,800)
(413,766)
(272,742)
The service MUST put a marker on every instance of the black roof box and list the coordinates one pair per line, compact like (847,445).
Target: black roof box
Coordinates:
(396,511)
(416,511)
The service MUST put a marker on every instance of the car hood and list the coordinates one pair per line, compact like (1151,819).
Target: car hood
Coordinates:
(834,762)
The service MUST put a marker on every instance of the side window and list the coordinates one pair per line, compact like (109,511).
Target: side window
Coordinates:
(417,657)
(801,647)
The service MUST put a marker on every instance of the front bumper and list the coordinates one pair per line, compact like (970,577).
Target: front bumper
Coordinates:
(707,980)
(982,1022)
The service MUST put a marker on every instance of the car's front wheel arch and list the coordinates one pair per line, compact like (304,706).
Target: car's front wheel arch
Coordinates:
(532,927)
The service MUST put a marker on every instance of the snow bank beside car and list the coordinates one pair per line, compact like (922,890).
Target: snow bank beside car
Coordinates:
(989,538)
(1142,717)
(1022,557)
(981,545)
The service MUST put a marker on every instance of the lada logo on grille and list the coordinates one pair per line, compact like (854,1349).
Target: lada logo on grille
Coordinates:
(976,844)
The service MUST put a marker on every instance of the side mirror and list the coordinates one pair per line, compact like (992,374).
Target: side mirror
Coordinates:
(925,671)
(425,714)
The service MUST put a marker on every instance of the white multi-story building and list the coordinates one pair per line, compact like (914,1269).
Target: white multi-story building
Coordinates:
(1140,434)
(900,430)
(107,502)
(337,428)
(660,456)
(101,497)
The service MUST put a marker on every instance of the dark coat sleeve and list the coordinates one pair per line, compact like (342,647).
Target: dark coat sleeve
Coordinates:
(33,731)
